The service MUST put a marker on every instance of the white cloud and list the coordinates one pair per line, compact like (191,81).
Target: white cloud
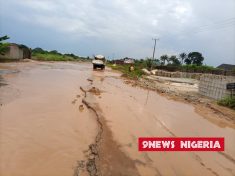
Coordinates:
(43,5)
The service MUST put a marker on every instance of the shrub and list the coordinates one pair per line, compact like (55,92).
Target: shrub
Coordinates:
(227,101)
(40,54)
(137,73)
(199,69)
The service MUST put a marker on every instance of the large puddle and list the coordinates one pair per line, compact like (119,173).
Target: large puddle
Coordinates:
(42,131)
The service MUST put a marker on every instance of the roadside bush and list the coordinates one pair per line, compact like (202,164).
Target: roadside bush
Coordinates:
(54,55)
(196,68)
(227,101)
(3,46)
(137,73)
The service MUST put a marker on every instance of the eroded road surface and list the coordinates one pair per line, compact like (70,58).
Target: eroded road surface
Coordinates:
(64,119)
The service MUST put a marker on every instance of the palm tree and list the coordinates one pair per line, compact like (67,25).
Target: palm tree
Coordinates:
(183,56)
(164,58)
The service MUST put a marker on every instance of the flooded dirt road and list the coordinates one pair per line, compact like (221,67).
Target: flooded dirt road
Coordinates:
(65,119)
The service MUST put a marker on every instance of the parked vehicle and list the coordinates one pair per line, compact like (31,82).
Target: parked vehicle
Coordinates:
(98,62)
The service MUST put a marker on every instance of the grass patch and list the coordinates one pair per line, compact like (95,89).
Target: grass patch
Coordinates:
(44,55)
(52,57)
(228,102)
(196,68)
(135,74)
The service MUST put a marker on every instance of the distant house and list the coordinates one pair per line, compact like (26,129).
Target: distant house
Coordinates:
(118,61)
(17,52)
(127,60)
(226,67)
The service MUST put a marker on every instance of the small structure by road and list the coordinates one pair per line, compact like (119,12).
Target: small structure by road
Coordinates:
(227,67)
(16,52)
(125,60)
(128,60)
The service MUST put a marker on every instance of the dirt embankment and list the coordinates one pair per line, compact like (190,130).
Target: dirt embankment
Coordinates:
(103,156)
(204,106)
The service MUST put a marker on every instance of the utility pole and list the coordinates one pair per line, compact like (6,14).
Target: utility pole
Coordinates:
(155,39)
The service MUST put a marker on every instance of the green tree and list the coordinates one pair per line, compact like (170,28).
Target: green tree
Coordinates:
(173,60)
(148,63)
(54,52)
(38,50)
(163,59)
(182,56)
(188,61)
(196,58)
(156,62)
(3,46)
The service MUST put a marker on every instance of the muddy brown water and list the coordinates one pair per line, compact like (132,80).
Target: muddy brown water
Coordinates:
(44,133)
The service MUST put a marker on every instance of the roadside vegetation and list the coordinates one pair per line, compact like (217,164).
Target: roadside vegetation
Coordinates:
(228,102)
(3,45)
(135,74)
(191,62)
(44,55)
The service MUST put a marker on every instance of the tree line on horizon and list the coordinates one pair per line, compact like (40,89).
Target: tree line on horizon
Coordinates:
(193,58)
(192,62)
(40,51)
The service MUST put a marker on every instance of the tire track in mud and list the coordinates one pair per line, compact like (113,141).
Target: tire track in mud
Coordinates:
(104,156)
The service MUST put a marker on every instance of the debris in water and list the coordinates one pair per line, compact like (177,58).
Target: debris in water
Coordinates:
(90,80)
(81,108)
(74,101)
(95,91)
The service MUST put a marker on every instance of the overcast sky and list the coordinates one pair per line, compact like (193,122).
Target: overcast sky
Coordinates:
(119,28)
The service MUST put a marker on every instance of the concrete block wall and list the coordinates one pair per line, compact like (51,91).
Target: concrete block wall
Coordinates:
(177,74)
(214,86)
(190,75)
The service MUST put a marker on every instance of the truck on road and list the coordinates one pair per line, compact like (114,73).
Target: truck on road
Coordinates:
(98,62)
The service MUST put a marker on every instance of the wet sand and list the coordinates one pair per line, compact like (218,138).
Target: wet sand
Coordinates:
(45,131)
